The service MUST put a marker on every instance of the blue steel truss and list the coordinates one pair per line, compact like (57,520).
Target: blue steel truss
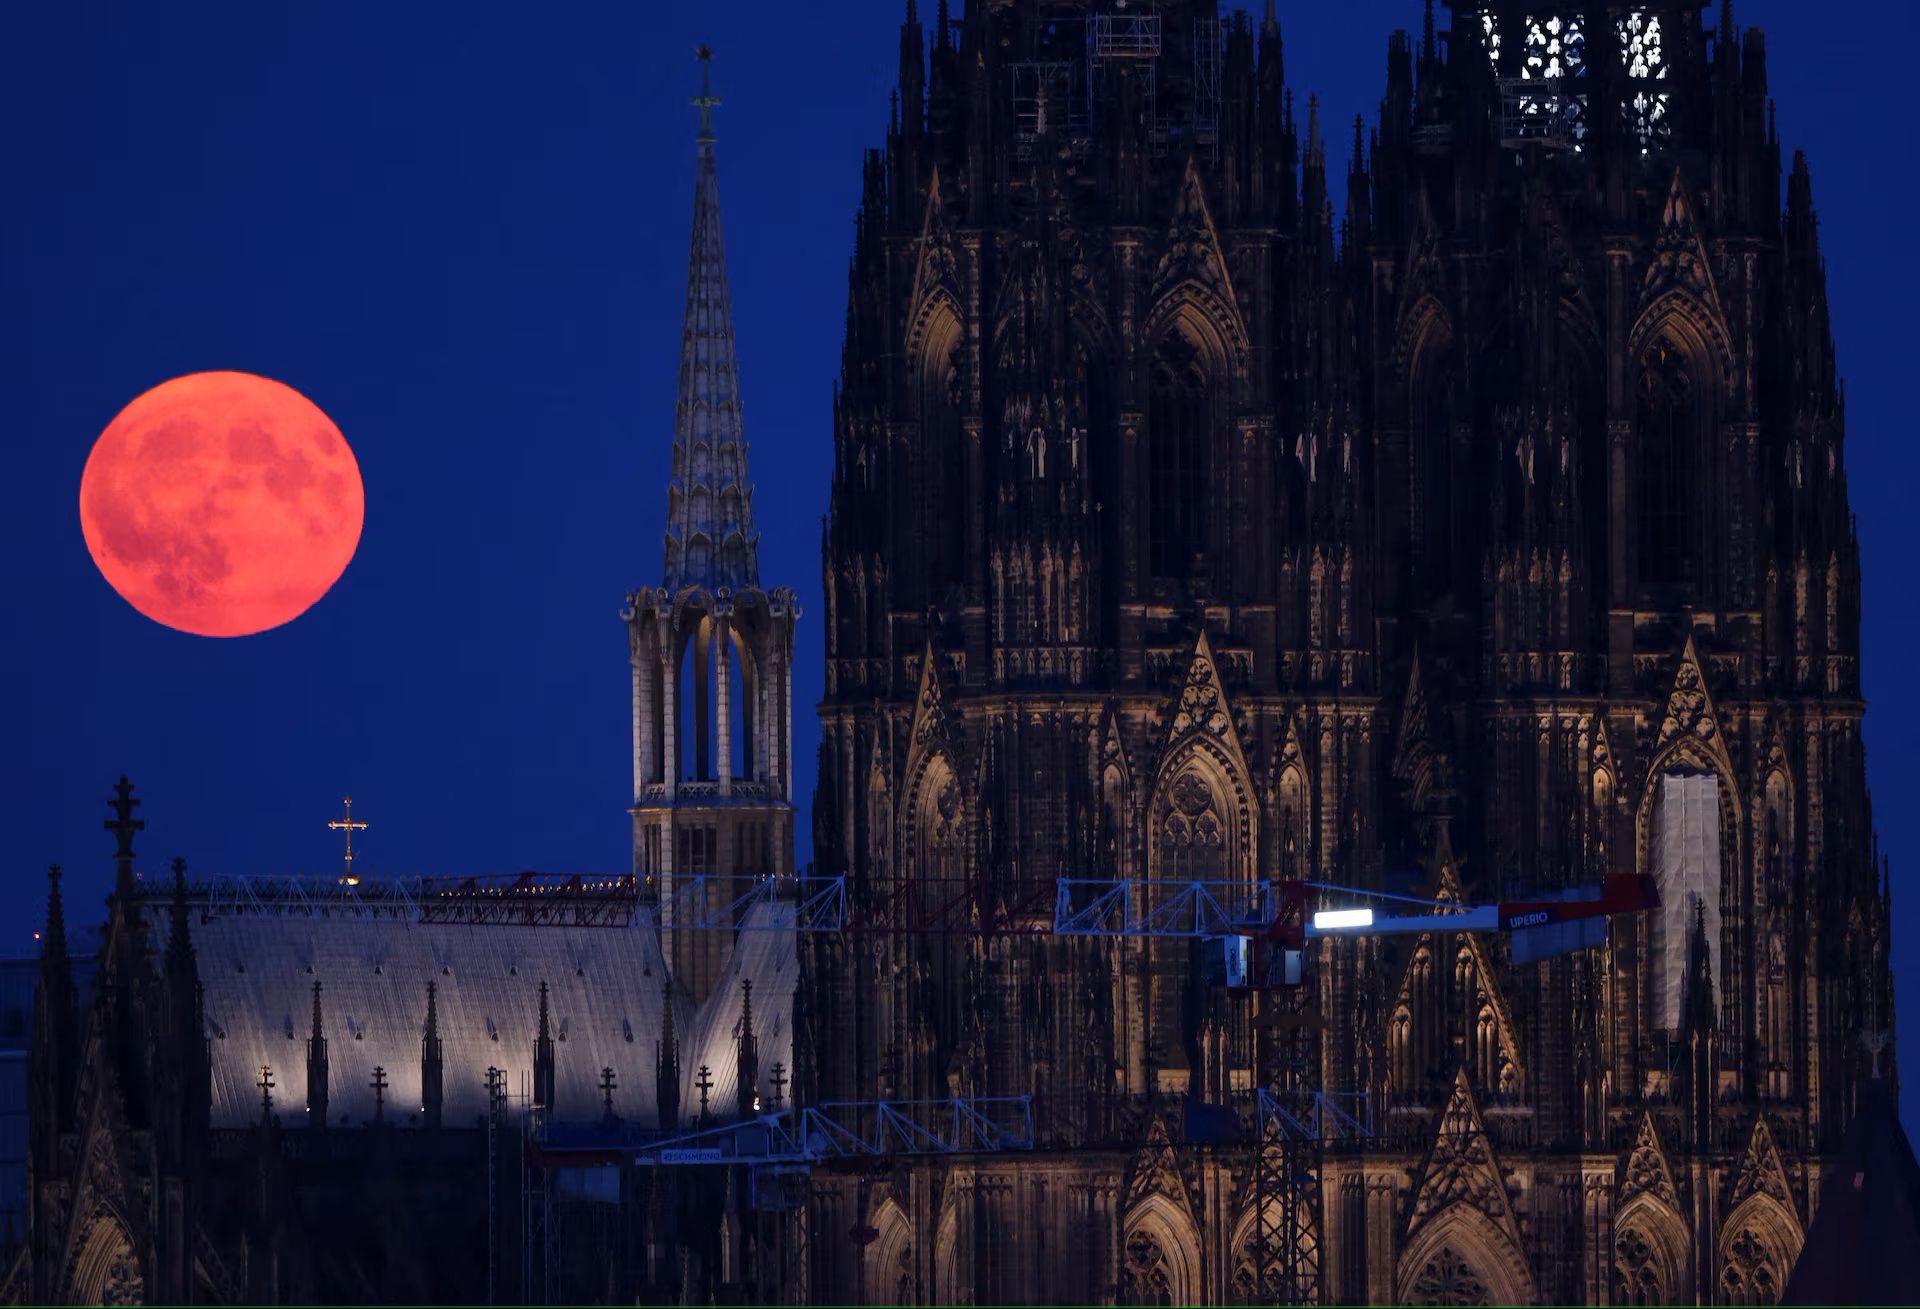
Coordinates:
(855,1129)
(725,901)
(1108,906)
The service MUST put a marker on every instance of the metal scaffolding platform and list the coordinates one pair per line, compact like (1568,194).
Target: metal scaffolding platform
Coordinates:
(855,1129)
(721,901)
(704,901)
(1093,906)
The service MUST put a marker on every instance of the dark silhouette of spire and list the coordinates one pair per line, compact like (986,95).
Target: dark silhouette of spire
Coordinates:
(430,1065)
(317,1065)
(710,539)
(747,1087)
(123,825)
(180,961)
(543,1059)
(667,1066)
(55,1045)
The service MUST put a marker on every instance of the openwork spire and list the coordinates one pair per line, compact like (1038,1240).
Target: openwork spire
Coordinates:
(710,539)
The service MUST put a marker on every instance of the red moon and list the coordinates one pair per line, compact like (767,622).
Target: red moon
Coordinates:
(221,503)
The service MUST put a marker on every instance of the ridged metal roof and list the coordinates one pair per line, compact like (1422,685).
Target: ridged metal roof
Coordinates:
(605,994)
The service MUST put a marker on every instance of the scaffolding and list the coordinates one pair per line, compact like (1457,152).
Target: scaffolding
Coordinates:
(534,899)
(1542,112)
(1126,44)
(724,901)
(1123,36)
(530,899)
(1207,38)
(1048,96)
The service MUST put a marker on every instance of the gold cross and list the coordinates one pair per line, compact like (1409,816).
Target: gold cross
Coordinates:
(348,824)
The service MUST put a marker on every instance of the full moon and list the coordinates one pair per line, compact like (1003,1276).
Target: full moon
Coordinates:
(221,503)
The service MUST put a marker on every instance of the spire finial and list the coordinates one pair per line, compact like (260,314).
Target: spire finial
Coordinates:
(706,100)
(123,825)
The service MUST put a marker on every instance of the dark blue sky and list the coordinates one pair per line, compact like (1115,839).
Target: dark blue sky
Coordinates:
(462,230)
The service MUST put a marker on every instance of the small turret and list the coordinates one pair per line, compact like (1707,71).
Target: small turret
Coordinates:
(747,1085)
(431,1071)
(317,1065)
(543,1059)
(667,1066)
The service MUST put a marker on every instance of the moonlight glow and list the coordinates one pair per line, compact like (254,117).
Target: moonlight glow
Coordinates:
(221,503)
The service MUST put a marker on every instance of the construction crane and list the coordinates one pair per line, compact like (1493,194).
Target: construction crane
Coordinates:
(1260,931)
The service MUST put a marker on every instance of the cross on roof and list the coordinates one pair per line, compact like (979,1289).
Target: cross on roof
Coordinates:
(705,1083)
(607,1085)
(266,1085)
(348,824)
(779,1080)
(379,1085)
(123,824)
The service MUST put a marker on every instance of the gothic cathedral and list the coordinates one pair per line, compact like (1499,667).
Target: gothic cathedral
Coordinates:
(1483,541)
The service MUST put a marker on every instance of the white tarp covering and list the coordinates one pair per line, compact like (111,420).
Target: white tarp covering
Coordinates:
(1685,849)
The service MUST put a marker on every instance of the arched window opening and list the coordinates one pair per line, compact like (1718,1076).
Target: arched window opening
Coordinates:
(1668,487)
(1448,1279)
(1190,845)
(1436,516)
(1636,1270)
(1751,1274)
(1684,852)
(943,478)
(1145,1277)
(1180,439)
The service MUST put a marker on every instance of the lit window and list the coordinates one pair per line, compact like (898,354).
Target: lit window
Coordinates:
(1556,47)
(1492,30)
(1643,53)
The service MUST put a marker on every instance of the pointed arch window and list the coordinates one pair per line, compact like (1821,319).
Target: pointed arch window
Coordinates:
(1180,439)
(943,476)
(1668,485)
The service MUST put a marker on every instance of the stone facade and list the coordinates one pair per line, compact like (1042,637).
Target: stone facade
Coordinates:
(1495,535)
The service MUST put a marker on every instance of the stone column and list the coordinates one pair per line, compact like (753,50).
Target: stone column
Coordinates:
(723,704)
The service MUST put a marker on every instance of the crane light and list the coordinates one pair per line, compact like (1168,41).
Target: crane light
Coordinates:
(1336,919)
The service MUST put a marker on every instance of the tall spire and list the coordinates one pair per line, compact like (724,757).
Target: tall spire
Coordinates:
(710,539)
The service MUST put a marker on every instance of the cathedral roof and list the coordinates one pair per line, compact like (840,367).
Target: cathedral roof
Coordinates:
(710,541)
(605,996)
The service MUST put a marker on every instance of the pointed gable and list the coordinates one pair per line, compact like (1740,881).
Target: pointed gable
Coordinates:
(1678,284)
(1156,1171)
(1679,255)
(1761,1171)
(1689,718)
(1646,1170)
(1462,1168)
(936,275)
(929,706)
(1201,709)
(1191,273)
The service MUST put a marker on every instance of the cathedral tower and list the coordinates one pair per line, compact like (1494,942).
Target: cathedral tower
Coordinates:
(1485,539)
(711,648)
